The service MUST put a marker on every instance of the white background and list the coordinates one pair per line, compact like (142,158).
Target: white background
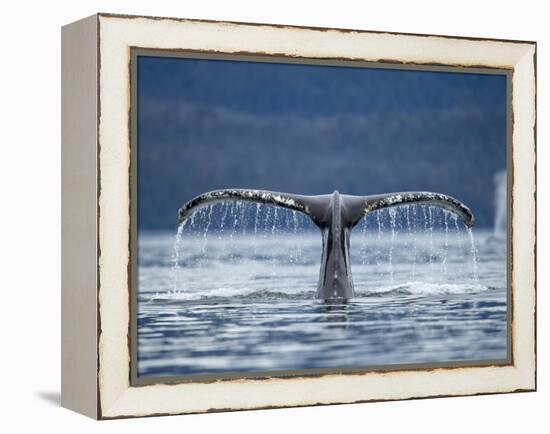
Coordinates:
(30,217)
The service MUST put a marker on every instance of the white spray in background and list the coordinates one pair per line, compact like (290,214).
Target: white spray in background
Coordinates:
(499,228)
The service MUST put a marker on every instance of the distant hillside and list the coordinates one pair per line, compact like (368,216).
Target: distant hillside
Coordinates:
(202,128)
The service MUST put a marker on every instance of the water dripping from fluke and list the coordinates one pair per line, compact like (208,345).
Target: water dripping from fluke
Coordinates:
(176,256)
(334,214)
(446,247)
(412,229)
(378,237)
(392,212)
(205,233)
(364,245)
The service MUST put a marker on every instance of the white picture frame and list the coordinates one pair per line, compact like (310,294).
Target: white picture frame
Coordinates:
(96,212)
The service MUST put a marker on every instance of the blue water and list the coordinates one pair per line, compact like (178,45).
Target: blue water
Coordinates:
(231,297)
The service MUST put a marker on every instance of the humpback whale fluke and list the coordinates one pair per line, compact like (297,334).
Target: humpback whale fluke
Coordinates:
(336,215)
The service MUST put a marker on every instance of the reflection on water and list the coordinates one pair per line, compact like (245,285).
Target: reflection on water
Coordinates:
(245,303)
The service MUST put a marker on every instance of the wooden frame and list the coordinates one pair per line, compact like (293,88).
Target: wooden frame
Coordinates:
(97,193)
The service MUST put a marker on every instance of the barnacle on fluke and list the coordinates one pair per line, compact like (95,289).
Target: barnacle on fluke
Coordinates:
(336,215)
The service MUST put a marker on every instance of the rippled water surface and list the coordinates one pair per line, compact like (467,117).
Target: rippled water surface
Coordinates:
(229,296)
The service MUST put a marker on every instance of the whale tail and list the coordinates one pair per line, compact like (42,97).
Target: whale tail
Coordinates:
(335,215)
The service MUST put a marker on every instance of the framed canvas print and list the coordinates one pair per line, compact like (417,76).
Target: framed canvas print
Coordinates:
(261,216)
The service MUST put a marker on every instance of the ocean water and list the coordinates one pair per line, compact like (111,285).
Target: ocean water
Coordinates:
(234,292)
